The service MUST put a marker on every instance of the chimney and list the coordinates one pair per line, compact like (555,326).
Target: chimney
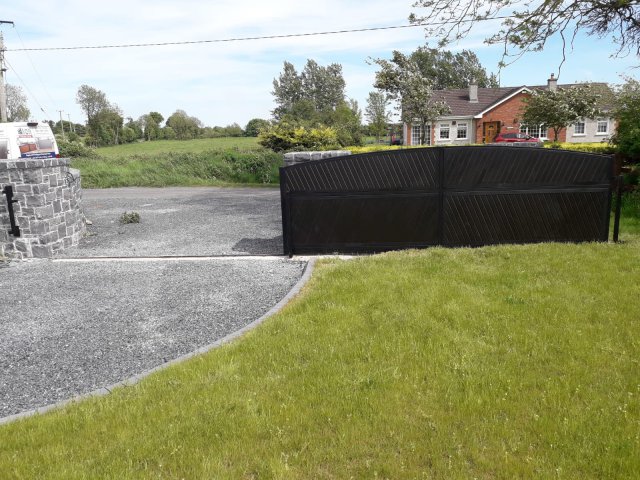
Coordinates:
(552,83)
(473,91)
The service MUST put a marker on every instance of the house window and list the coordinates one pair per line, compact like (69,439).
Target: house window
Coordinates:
(536,131)
(462,131)
(416,132)
(578,128)
(444,131)
(603,126)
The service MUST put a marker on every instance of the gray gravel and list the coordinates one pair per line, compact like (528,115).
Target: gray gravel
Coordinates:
(182,221)
(68,328)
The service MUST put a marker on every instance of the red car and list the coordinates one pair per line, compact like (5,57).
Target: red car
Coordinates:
(515,137)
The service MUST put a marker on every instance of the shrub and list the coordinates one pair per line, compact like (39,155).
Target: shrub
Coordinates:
(75,150)
(284,137)
(599,147)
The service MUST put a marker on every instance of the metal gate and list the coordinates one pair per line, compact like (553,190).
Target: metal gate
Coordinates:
(450,196)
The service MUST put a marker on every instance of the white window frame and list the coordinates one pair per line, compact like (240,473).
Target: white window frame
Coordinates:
(538,131)
(416,133)
(442,128)
(605,123)
(583,126)
(461,130)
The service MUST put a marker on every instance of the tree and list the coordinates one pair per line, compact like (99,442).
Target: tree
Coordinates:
(324,86)
(150,124)
(527,25)
(376,113)
(91,101)
(184,126)
(17,110)
(287,90)
(412,91)
(557,109)
(106,125)
(254,126)
(449,70)
(316,89)
(627,113)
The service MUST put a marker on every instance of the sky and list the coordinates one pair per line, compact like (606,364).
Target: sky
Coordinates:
(226,82)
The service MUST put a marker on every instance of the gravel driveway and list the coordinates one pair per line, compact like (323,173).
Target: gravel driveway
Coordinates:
(75,324)
(182,221)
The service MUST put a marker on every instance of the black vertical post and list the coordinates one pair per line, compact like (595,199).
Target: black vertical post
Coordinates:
(8,192)
(286,217)
(440,186)
(616,221)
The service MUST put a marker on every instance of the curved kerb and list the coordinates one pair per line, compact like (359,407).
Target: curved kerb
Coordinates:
(306,275)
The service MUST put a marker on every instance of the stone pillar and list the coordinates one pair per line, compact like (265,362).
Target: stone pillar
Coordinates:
(301,157)
(48,208)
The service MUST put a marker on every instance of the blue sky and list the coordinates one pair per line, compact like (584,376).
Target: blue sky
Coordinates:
(221,83)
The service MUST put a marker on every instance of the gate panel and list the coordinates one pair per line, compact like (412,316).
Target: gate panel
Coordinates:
(453,196)
(524,217)
(476,167)
(363,222)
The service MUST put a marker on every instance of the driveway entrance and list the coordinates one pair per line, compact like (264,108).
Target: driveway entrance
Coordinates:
(199,221)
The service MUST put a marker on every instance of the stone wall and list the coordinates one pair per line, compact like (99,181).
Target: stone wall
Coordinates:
(301,157)
(48,208)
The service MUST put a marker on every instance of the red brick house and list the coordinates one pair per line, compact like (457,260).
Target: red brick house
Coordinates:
(479,114)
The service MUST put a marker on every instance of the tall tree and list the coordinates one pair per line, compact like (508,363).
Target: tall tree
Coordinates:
(527,24)
(91,101)
(377,114)
(315,89)
(17,110)
(324,86)
(412,91)
(287,90)
(452,70)
(557,109)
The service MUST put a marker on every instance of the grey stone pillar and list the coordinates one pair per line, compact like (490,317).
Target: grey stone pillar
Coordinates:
(48,208)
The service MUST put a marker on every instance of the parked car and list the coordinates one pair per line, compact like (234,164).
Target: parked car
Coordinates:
(515,137)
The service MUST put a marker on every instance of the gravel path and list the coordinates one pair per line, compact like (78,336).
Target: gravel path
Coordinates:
(69,328)
(182,221)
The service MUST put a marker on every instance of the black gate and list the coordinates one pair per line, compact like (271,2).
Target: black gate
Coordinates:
(451,196)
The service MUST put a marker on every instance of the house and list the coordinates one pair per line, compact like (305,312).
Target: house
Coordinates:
(479,114)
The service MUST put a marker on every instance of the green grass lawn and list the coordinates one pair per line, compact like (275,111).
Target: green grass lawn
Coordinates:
(179,146)
(491,363)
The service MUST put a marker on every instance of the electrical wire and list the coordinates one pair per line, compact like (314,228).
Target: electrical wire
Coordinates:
(33,97)
(241,39)
(44,86)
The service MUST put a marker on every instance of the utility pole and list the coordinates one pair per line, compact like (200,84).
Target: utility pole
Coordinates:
(61,123)
(3,88)
(71,127)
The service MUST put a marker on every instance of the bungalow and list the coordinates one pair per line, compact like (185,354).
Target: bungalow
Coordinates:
(479,114)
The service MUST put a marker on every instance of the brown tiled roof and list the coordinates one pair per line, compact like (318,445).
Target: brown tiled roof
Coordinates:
(458,99)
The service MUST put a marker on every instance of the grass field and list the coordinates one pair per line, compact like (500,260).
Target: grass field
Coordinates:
(214,162)
(492,363)
(179,146)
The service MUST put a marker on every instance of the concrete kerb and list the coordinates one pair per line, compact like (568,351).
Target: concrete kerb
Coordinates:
(138,377)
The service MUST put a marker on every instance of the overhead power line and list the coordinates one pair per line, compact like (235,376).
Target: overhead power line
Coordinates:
(239,39)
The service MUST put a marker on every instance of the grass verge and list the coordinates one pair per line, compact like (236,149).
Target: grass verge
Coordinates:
(198,145)
(211,167)
(498,362)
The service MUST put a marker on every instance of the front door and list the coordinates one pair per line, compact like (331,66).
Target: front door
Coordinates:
(489,131)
